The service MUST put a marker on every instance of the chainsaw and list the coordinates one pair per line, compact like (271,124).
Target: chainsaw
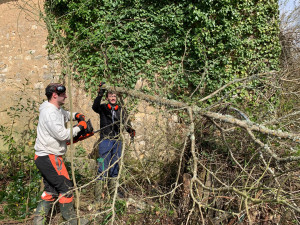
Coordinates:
(89,132)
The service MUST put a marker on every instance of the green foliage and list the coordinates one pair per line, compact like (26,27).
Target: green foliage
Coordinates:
(19,177)
(79,177)
(80,151)
(120,209)
(177,47)
(21,194)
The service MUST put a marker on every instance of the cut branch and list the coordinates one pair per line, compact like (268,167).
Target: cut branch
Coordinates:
(224,118)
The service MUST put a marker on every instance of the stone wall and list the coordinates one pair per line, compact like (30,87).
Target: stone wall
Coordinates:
(25,68)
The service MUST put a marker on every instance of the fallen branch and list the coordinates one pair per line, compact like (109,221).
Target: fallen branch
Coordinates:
(246,124)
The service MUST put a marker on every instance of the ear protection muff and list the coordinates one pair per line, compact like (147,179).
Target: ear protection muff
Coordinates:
(110,107)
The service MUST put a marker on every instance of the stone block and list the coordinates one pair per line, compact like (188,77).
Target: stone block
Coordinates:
(2,78)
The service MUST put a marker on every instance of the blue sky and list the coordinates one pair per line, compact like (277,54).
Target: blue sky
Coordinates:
(287,5)
(285,9)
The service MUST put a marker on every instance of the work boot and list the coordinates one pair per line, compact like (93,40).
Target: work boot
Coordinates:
(68,213)
(113,181)
(42,210)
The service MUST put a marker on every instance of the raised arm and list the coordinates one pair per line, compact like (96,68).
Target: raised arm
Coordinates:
(97,101)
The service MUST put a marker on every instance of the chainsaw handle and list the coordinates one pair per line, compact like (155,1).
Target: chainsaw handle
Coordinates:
(81,138)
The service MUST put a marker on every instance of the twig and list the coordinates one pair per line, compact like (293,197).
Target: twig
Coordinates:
(179,166)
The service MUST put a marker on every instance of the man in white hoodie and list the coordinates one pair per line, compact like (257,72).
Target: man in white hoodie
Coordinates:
(51,144)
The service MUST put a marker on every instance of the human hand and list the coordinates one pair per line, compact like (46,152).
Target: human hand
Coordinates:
(101,83)
(100,90)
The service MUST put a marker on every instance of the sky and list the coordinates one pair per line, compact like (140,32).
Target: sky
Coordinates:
(287,5)
(289,20)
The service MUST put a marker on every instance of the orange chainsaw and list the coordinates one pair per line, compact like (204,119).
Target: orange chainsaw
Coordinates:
(89,132)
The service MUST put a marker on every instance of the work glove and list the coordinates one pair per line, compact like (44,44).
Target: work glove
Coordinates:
(82,126)
(101,91)
(79,117)
(86,130)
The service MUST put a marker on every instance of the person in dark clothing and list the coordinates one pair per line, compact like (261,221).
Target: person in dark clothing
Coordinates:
(110,147)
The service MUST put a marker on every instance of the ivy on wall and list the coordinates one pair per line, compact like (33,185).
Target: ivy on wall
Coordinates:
(176,47)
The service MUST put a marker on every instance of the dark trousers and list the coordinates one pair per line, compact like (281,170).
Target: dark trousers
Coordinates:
(56,178)
(110,153)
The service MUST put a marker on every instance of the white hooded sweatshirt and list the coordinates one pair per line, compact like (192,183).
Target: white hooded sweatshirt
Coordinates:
(52,135)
